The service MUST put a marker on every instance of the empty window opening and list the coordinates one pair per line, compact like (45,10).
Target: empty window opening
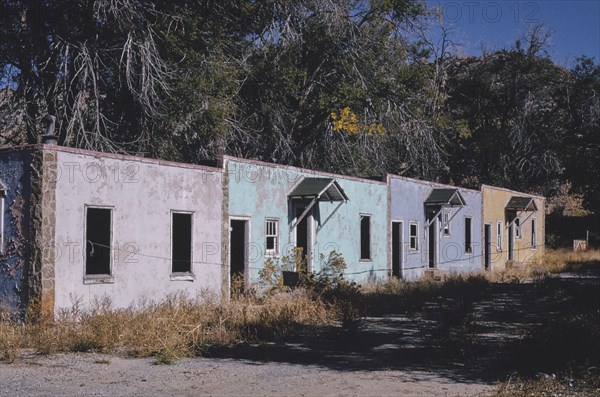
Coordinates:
(468,237)
(533,234)
(182,243)
(414,236)
(446,221)
(272,237)
(499,236)
(517,228)
(98,241)
(365,237)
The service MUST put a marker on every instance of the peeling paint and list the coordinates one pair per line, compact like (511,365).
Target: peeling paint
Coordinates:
(14,290)
(42,268)
(260,190)
(141,206)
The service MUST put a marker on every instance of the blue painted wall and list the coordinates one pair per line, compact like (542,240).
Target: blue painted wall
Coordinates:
(14,173)
(258,191)
(407,204)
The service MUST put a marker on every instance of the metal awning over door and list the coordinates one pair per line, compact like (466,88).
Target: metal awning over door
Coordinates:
(317,189)
(517,203)
(445,198)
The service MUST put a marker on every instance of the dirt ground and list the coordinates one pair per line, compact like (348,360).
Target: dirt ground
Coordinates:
(457,346)
(102,375)
(87,374)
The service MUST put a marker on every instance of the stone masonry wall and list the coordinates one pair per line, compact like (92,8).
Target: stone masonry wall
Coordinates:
(225,235)
(43,221)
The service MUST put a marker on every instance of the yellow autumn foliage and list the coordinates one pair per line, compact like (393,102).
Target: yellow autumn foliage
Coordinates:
(375,129)
(347,121)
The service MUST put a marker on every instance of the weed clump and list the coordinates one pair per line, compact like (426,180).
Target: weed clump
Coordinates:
(326,286)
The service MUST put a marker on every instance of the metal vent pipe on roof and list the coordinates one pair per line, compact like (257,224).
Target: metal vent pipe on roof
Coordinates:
(49,138)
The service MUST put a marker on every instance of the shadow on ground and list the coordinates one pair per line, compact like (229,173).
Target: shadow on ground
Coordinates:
(480,336)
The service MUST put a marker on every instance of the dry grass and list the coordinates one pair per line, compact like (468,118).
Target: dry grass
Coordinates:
(449,281)
(560,260)
(396,295)
(180,326)
(174,328)
(554,261)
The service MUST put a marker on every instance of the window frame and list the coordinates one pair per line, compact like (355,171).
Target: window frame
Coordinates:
(189,275)
(369,256)
(518,234)
(469,246)
(103,277)
(415,237)
(274,252)
(499,235)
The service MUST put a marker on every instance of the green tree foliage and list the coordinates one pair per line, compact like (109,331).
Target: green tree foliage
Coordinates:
(582,145)
(513,119)
(318,57)
(520,121)
(96,65)
(205,44)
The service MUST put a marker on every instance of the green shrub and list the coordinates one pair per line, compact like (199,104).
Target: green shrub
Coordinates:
(271,274)
(329,285)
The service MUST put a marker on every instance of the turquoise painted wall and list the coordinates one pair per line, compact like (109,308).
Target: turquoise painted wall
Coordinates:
(258,191)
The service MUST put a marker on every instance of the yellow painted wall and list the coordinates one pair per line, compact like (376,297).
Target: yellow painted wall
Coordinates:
(494,201)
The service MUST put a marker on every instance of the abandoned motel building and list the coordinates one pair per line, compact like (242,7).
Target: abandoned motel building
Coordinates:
(80,225)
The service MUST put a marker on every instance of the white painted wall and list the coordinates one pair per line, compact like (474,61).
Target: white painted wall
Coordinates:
(142,194)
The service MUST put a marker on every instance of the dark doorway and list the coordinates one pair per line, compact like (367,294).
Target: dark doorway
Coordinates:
(237,252)
(432,237)
(397,249)
(302,233)
(511,243)
(487,248)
